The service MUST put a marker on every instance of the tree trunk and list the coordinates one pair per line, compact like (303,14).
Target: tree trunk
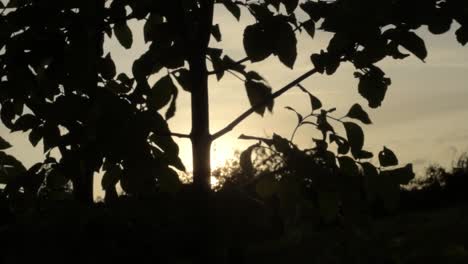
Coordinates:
(200,135)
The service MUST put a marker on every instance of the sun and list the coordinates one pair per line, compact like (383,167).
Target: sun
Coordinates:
(220,154)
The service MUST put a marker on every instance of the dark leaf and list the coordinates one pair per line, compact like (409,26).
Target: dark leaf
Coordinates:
(25,122)
(309,26)
(413,43)
(259,93)
(387,158)
(169,181)
(358,113)
(355,136)
(245,160)
(35,136)
(216,32)
(233,8)
(161,93)
(7,113)
(363,154)
(51,137)
(281,144)
(184,79)
(290,5)
(343,146)
(150,28)
(123,34)
(299,116)
(172,107)
(107,67)
(462,35)
(373,86)
(286,43)
(117,87)
(257,43)
(4,144)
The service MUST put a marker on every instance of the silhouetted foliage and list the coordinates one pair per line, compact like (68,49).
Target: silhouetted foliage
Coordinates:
(57,84)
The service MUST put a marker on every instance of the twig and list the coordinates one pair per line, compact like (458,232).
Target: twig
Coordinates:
(247,113)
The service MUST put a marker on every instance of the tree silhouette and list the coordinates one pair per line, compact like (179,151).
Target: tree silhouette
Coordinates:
(76,102)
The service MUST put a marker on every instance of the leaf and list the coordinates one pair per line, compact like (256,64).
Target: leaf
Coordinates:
(355,136)
(285,43)
(309,26)
(232,8)
(35,136)
(440,24)
(414,44)
(10,167)
(257,43)
(169,181)
(150,27)
(314,102)
(107,67)
(343,146)
(172,107)
(259,93)
(245,160)
(401,175)
(363,154)
(373,86)
(281,144)
(111,177)
(290,5)
(4,144)
(123,34)
(299,116)
(25,123)
(387,158)
(161,93)
(267,186)
(216,32)
(7,113)
(116,87)
(51,136)
(184,79)
(358,113)
(462,35)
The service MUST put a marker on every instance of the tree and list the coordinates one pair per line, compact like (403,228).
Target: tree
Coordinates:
(56,68)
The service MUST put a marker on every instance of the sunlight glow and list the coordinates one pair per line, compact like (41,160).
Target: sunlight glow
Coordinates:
(220,154)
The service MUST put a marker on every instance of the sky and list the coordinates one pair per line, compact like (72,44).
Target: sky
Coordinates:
(423,118)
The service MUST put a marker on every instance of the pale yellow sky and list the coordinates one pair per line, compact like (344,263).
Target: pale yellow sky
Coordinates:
(423,118)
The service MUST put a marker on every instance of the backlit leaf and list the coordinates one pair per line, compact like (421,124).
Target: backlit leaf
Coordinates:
(355,136)
(216,32)
(358,113)
(258,92)
(161,93)
(4,144)
(387,158)
(233,8)
(257,43)
(107,67)
(309,26)
(123,34)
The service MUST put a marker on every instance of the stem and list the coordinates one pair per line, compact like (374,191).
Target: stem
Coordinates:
(251,110)
(200,135)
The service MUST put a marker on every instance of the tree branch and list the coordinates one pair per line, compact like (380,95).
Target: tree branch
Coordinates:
(180,135)
(247,113)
